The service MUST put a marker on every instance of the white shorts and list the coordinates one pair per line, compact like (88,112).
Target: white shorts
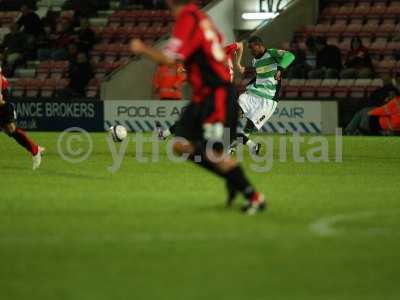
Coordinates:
(257,109)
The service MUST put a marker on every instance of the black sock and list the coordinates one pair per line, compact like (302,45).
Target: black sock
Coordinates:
(201,161)
(172,129)
(236,178)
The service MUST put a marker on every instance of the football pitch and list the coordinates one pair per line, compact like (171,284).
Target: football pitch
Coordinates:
(160,230)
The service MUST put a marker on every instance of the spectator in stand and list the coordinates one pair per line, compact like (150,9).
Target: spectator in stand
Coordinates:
(79,73)
(44,39)
(14,47)
(86,36)
(50,21)
(72,53)
(147,4)
(124,4)
(358,62)
(299,68)
(389,89)
(385,118)
(360,122)
(154,4)
(328,60)
(30,23)
(10,5)
(82,8)
(59,43)
(168,82)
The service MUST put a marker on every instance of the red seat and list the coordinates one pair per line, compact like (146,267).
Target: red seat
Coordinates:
(33,87)
(378,46)
(325,90)
(112,52)
(97,30)
(49,87)
(393,10)
(121,34)
(131,17)
(377,10)
(99,49)
(59,69)
(125,51)
(341,90)
(385,29)
(136,32)
(352,30)
(392,46)
(359,89)
(59,66)
(372,21)
(376,83)
(310,87)
(43,70)
(308,29)
(108,33)
(362,9)
(344,46)
(93,88)
(336,29)
(368,30)
(117,17)
(321,29)
(18,88)
(145,16)
(152,33)
(62,84)
(346,9)
(292,90)
(385,66)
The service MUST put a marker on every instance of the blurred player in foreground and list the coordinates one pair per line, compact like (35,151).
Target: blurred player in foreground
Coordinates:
(260,100)
(197,43)
(8,118)
(234,54)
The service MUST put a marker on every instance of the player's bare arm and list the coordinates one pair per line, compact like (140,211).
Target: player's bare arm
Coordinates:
(238,58)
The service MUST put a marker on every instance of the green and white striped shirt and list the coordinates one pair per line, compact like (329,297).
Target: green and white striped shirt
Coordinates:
(266,67)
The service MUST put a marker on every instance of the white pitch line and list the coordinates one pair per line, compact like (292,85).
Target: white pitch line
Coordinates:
(325,226)
(129,238)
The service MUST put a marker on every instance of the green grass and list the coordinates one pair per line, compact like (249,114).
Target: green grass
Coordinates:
(160,230)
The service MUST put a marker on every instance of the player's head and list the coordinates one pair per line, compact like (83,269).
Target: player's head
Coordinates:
(25,9)
(256,46)
(320,43)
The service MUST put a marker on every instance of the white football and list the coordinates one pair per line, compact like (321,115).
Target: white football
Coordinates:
(118,133)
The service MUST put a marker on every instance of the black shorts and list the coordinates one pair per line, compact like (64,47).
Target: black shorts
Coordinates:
(7,114)
(221,102)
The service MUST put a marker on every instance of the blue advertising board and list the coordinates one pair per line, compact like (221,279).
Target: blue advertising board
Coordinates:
(58,115)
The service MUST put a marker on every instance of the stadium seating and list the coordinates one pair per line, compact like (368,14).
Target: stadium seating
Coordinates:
(114,29)
(376,22)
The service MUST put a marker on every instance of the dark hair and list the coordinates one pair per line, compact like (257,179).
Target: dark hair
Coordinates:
(310,42)
(177,2)
(256,40)
(319,40)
